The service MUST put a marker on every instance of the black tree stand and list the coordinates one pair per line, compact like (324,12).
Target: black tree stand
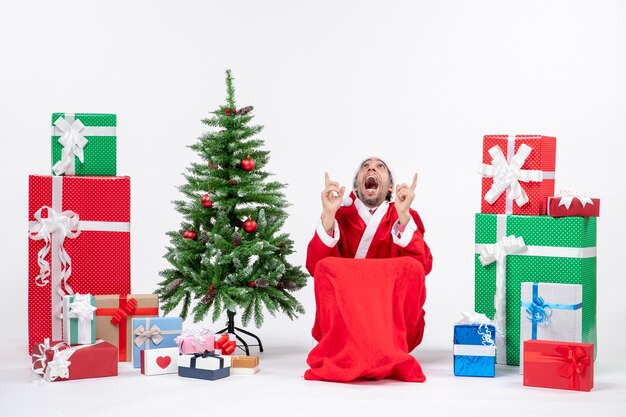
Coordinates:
(231,328)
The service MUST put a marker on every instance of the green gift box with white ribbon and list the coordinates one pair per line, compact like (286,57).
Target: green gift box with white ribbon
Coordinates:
(79,319)
(84,144)
(513,249)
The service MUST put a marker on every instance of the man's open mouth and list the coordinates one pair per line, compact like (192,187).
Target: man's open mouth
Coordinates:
(371,183)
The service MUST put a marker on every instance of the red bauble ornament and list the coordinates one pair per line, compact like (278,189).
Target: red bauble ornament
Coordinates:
(234,111)
(247,164)
(206,201)
(279,284)
(249,225)
(190,234)
(211,287)
(227,111)
(232,182)
(251,284)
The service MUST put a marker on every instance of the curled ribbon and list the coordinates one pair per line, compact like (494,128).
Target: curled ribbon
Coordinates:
(538,311)
(497,253)
(73,143)
(122,313)
(64,225)
(195,340)
(58,367)
(567,196)
(507,176)
(153,334)
(81,308)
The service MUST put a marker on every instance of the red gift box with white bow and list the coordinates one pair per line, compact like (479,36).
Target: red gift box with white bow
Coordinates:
(58,361)
(518,174)
(570,203)
(557,364)
(79,242)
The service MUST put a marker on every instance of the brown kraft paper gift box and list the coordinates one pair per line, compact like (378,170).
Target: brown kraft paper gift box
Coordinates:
(114,316)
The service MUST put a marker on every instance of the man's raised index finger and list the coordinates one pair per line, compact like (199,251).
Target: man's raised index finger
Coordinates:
(326,179)
(414,184)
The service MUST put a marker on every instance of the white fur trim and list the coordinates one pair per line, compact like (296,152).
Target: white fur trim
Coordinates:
(406,235)
(372,226)
(330,241)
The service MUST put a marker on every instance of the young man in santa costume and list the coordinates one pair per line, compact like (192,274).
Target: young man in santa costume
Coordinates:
(369,225)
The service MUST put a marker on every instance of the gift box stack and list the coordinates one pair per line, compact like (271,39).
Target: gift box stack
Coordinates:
(82,317)
(535,259)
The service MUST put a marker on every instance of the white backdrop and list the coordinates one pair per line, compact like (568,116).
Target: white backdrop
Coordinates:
(331,81)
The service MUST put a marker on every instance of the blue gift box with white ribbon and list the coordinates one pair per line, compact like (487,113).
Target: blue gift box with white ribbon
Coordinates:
(550,312)
(474,350)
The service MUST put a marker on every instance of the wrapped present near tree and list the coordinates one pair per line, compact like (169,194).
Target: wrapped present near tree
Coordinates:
(154,333)
(518,173)
(114,318)
(571,203)
(550,312)
(58,361)
(84,144)
(195,341)
(79,230)
(79,324)
(243,365)
(207,365)
(514,249)
(474,348)
(558,364)
(159,361)
(226,344)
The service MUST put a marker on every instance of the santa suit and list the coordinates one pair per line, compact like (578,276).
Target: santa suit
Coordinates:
(359,234)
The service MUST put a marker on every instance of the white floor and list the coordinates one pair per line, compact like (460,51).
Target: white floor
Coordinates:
(279,389)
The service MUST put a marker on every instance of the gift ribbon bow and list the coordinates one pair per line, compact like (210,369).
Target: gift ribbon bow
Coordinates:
(65,224)
(73,143)
(507,175)
(575,362)
(153,334)
(538,311)
(205,354)
(81,308)
(567,196)
(482,320)
(122,313)
(225,343)
(58,367)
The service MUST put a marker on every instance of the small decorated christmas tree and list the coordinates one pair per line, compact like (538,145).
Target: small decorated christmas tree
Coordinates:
(230,254)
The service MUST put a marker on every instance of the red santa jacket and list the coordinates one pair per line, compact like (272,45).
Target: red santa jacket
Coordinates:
(361,234)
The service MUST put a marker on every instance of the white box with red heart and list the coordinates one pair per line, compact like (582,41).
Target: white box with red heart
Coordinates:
(159,361)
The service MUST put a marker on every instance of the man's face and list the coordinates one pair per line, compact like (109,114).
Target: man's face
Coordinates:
(373,182)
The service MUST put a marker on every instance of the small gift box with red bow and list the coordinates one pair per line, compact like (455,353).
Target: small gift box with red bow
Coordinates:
(195,341)
(154,333)
(79,324)
(225,344)
(556,364)
(114,318)
(58,361)
(159,361)
(206,365)
(571,203)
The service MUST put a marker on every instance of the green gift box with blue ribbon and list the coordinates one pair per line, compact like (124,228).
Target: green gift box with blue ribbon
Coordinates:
(512,249)
(84,144)
(550,312)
